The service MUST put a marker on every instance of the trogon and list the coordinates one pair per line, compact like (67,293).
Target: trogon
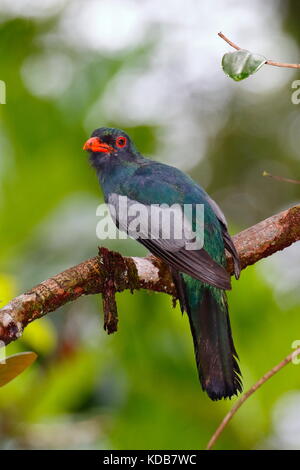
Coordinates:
(199,273)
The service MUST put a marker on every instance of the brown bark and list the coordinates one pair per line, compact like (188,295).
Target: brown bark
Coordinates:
(109,272)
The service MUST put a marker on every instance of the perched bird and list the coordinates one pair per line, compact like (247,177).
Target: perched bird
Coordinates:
(199,274)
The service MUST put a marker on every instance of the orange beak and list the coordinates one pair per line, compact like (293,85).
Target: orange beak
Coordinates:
(94,144)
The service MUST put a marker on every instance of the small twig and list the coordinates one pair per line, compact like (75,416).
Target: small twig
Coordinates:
(248,394)
(283,64)
(268,62)
(109,264)
(110,309)
(281,178)
(232,44)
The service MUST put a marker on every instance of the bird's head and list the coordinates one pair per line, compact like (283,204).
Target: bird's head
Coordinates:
(106,143)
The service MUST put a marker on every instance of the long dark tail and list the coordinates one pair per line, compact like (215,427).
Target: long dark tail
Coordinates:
(215,353)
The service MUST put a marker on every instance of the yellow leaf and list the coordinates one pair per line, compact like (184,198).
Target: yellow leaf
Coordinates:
(7,288)
(40,336)
(14,366)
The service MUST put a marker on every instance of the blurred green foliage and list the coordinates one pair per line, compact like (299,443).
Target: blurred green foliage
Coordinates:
(137,389)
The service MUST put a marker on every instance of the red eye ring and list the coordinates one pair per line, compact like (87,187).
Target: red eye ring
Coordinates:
(121,141)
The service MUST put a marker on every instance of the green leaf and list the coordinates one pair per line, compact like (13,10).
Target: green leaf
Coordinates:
(240,64)
(14,366)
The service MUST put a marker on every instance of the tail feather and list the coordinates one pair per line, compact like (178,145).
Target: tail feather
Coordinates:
(216,357)
(215,353)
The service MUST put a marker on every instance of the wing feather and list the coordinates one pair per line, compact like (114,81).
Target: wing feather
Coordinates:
(197,264)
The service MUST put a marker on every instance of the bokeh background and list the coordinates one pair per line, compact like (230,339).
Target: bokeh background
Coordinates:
(153,69)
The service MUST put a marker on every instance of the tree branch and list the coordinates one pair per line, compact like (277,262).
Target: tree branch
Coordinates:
(268,62)
(248,394)
(119,273)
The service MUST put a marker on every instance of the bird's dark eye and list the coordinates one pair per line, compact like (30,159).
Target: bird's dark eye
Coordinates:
(121,141)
